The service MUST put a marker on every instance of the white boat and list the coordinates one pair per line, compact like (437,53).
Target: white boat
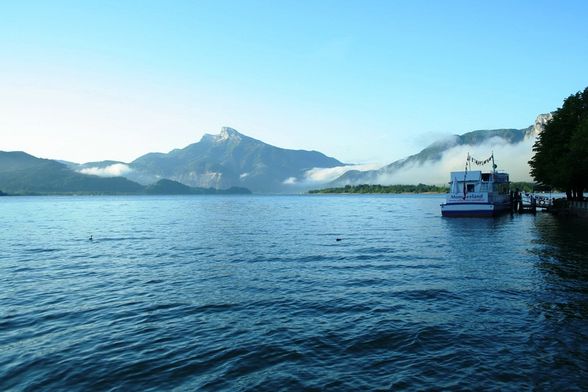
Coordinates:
(526,203)
(477,193)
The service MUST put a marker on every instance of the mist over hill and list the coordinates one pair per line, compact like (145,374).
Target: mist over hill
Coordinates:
(24,174)
(512,149)
(233,160)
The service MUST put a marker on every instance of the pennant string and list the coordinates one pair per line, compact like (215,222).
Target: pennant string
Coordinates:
(479,162)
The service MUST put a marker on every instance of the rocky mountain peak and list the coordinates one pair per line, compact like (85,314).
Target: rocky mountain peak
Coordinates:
(540,123)
(225,134)
(228,133)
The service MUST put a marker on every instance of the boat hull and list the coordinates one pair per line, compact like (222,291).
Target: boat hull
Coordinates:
(473,209)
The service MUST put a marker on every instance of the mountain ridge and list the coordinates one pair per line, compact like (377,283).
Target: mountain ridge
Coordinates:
(436,150)
(232,159)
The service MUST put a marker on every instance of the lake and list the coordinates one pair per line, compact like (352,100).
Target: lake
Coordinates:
(256,293)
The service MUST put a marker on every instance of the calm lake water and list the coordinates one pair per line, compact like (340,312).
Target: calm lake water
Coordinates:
(255,293)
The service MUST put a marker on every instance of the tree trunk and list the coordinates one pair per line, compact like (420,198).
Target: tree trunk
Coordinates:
(578,192)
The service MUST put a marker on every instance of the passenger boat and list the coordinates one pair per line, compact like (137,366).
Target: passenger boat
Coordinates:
(477,193)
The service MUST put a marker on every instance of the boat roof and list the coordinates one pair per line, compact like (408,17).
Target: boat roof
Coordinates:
(470,175)
(473,175)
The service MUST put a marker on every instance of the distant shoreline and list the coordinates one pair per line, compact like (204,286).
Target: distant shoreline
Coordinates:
(76,194)
(161,187)
(408,189)
(376,193)
(383,189)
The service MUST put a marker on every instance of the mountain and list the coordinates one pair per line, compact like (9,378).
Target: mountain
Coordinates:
(235,161)
(230,159)
(436,152)
(21,173)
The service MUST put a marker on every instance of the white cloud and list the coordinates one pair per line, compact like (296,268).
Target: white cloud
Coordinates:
(115,170)
(290,181)
(320,174)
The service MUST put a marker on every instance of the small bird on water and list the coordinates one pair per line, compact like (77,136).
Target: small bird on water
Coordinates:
(91,237)
(338,239)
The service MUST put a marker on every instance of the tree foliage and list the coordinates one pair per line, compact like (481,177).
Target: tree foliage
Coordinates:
(524,186)
(561,150)
(369,188)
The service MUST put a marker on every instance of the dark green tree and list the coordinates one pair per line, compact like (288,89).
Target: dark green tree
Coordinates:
(561,150)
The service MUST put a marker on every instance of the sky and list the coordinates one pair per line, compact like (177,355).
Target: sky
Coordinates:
(363,81)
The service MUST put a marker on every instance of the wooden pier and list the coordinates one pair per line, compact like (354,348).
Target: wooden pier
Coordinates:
(555,206)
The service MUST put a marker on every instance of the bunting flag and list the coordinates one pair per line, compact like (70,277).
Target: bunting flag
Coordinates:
(471,159)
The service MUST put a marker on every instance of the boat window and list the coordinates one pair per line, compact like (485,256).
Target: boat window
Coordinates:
(470,187)
(485,176)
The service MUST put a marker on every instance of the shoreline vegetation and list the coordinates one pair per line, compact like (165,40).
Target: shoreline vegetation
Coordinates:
(395,189)
(407,188)
(208,192)
(161,188)
(168,187)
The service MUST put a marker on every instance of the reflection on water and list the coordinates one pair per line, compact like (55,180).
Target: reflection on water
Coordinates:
(562,258)
(565,240)
(560,302)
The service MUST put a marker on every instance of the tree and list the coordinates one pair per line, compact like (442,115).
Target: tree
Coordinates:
(561,150)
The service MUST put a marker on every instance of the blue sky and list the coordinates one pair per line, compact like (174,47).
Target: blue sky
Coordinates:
(363,81)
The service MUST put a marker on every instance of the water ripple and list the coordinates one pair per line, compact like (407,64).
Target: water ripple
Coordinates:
(255,294)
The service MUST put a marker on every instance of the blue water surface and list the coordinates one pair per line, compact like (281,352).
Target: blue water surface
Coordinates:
(255,293)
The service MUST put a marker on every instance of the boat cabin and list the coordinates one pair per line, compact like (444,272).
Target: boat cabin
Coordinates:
(475,181)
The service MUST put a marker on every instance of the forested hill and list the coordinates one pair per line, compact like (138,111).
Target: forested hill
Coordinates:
(21,173)
(24,174)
